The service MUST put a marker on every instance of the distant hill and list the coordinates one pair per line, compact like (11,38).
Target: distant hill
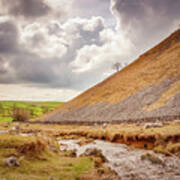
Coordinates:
(149,88)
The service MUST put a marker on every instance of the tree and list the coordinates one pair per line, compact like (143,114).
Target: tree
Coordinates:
(116,66)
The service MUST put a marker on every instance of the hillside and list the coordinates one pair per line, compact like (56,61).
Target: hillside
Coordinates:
(147,88)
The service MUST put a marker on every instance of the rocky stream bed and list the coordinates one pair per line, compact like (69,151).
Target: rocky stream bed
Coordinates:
(130,163)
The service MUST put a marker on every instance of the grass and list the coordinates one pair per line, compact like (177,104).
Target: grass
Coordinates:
(37,162)
(130,134)
(36,109)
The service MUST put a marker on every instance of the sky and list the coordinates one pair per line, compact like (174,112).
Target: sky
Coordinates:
(53,50)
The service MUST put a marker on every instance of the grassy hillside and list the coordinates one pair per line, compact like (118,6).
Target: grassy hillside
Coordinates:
(36,109)
(151,68)
(146,88)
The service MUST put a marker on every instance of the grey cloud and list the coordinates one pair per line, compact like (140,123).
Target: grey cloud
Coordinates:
(3,69)
(37,39)
(27,67)
(31,69)
(8,37)
(6,73)
(147,21)
(91,8)
(138,11)
(54,28)
(26,8)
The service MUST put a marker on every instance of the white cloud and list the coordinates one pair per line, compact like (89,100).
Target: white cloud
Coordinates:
(73,28)
(61,6)
(29,11)
(93,24)
(53,38)
(31,93)
(116,48)
(37,39)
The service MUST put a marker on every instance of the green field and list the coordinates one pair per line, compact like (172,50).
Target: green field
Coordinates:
(35,109)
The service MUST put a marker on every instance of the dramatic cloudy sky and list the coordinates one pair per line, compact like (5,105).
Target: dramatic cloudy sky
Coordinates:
(55,49)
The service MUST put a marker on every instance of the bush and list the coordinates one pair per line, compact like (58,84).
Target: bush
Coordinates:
(20,114)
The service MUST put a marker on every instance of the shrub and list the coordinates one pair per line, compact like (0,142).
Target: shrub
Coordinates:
(20,114)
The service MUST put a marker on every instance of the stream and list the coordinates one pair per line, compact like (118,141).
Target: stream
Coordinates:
(127,162)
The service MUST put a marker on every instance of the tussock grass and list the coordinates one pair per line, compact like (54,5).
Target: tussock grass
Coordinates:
(31,146)
(129,134)
(38,162)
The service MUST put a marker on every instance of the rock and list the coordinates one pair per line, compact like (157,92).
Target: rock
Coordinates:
(15,128)
(94,152)
(91,152)
(63,147)
(104,125)
(71,153)
(150,125)
(152,158)
(12,161)
(2,178)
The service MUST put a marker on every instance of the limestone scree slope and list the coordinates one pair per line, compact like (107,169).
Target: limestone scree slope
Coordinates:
(149,88)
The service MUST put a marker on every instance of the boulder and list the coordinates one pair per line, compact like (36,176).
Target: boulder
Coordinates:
(94,152)
(152,158)
(12,161)
(153,125)
(15,128)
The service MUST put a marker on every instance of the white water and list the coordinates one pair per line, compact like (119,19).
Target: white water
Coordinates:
(127,161)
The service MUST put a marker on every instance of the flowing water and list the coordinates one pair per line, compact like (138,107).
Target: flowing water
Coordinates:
(127,161)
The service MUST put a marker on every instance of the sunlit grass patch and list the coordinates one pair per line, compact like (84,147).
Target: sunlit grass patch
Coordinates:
(35,109)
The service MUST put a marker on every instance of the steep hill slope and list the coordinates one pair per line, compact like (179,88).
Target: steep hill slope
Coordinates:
(149,88)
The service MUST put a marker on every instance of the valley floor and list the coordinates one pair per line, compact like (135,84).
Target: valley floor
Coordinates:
(40,156)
